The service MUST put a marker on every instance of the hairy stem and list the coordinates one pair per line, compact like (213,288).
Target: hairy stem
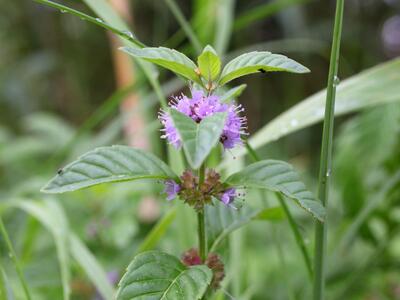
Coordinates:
(201,223)
(14,258)
(326,155)
(202,235)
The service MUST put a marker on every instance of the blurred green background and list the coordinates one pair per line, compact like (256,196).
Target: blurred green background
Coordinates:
(65,89)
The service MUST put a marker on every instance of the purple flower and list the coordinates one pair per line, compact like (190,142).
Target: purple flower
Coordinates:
(228,196)
(171,189)
(200,106)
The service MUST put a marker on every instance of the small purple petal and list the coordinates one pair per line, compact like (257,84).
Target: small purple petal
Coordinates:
(199,107)
(171,189)
(228,196)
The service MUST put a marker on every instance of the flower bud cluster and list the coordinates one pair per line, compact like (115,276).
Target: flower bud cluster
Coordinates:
(213,261)
(197,194)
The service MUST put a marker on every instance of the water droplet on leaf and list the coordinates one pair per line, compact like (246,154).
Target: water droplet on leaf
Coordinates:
(128,33)
(294,122)
(99,20)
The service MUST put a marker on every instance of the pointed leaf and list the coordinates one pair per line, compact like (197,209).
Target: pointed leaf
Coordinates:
(278,176)
(108,164)
(167,58)
(259,61)
(232,93)
(198,139)
(157,275)
(209,63)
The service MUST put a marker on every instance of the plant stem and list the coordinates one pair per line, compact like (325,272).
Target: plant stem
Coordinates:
(292,222)
(326,155)
(202,235)
(201,223)
(184,24)
(14,258)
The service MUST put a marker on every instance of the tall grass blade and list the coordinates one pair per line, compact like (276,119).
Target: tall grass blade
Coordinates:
(326,156)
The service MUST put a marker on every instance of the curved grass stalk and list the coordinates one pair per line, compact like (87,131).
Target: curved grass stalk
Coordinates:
(293,226)
(14,258)
(326,155)
(124,34)
(176,11)
(65,9)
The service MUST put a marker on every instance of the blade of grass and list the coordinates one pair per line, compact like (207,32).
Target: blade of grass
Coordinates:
(157,231)
(326,156)
(103,9)
(65,9)
(52,217)
(176,11)
(225,13)
(92,268)
(14,259)
(366,211)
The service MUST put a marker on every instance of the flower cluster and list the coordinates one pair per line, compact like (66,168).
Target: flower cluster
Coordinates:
(213,261)
(200,106)
(198,194)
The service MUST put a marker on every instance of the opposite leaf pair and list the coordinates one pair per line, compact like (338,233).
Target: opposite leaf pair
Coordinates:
(208,71)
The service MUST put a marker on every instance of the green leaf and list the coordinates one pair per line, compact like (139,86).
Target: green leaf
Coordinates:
(91,266)
(209,63)
(376,86)
(108,164)
(167,58)
(259,61)
(198,139)
(157,275)
(278,176)
(232,93)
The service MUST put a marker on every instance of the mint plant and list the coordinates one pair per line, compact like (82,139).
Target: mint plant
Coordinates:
(195,124)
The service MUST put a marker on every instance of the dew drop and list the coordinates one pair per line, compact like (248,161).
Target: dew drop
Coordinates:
(294,122)
(128,33)
(328,173)
(336,80)
(63,11)
(99,20)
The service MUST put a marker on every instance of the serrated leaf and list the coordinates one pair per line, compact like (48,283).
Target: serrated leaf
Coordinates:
(209,63)
(157,275)
(259,61)
(278,176)
(170,59)
(108,164)
(198,139)
(232,93)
